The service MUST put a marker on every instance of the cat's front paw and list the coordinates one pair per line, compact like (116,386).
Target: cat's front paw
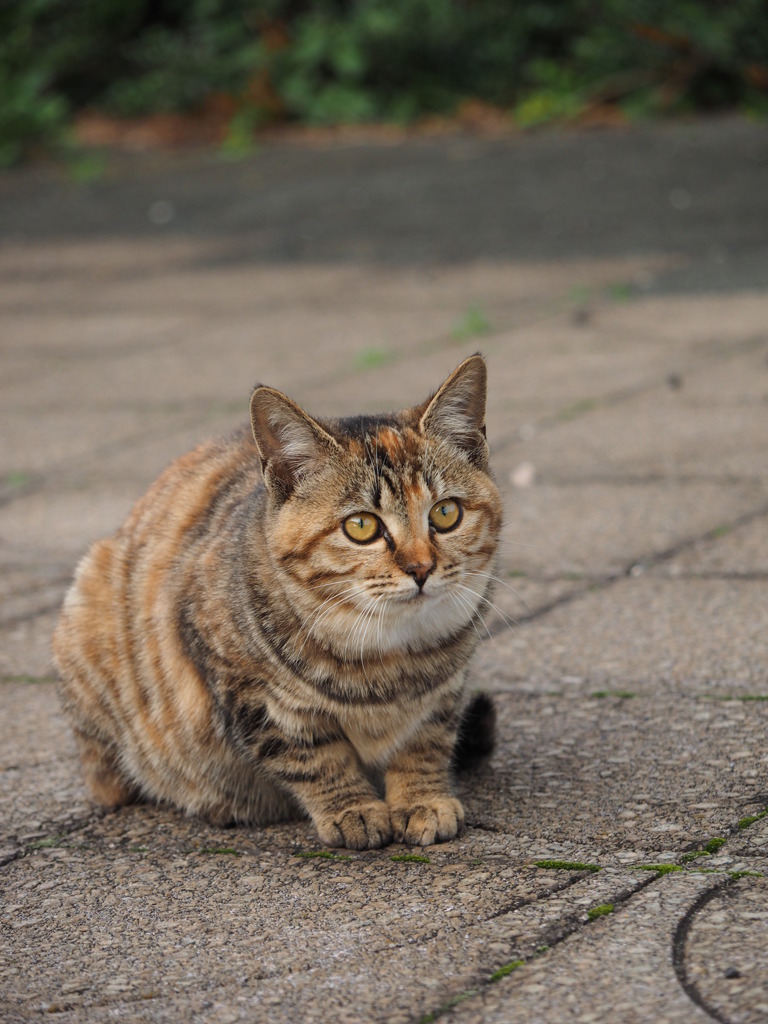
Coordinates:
(433,821)
(359,827)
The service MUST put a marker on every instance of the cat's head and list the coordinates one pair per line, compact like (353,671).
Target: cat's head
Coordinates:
(382,528)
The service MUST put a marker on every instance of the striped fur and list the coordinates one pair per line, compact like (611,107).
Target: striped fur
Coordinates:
(231,651)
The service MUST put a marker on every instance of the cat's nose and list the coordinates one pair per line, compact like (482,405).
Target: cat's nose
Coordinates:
(420,571)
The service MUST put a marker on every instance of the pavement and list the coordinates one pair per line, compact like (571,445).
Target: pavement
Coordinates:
(615,865)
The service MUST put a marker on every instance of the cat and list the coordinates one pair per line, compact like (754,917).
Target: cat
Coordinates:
(283,623)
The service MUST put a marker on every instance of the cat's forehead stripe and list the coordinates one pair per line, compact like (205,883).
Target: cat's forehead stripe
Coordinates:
(391,443)
(394,455)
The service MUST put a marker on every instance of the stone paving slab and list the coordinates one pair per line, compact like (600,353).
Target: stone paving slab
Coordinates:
(737,551)
(584,774)
(627,415)
(25,651)
(58,523)
(616,777)
(341,923)
(751,840)
(574,982)
(661,438)
(627,635)
(725,966)
(469,912)
(42,794)
(603,529)
(713,322)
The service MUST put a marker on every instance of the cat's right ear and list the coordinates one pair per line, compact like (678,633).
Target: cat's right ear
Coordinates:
(290,443)
(456,412)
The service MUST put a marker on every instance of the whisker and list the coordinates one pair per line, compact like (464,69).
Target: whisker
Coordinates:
(385,602)
(364,636)
(481,617)
(348,636)
(311,623)
(351,631)
(490,604)
(358,624)
(507,542)
(329,583)
(490,576)
(473,614)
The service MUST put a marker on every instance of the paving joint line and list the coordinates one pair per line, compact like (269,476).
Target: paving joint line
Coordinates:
(555,890)
(38,613)
(619,395)
(679,941)
(36,484)
(69,829)
(36,585)
(643,564)
(713,534)
(747,577)
(38,481)
(643,479)
(133,998)
(573,924)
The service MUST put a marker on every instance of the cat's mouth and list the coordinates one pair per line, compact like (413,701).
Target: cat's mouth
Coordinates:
(419,594)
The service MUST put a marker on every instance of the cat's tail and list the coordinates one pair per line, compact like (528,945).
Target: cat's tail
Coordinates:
(477,733)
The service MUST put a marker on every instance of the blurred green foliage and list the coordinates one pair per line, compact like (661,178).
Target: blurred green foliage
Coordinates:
(341,61)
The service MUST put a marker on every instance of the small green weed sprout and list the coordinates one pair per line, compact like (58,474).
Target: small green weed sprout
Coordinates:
(600,911)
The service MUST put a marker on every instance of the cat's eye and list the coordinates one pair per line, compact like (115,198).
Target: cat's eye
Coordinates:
(362,527)
(444,515)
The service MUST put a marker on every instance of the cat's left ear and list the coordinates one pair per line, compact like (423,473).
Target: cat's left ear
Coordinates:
(291,444)
(457,411)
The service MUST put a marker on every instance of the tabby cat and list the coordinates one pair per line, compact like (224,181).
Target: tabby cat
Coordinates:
(284,627)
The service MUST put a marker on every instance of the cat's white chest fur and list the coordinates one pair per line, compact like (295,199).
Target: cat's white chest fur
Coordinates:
(376,749)
(377,733)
